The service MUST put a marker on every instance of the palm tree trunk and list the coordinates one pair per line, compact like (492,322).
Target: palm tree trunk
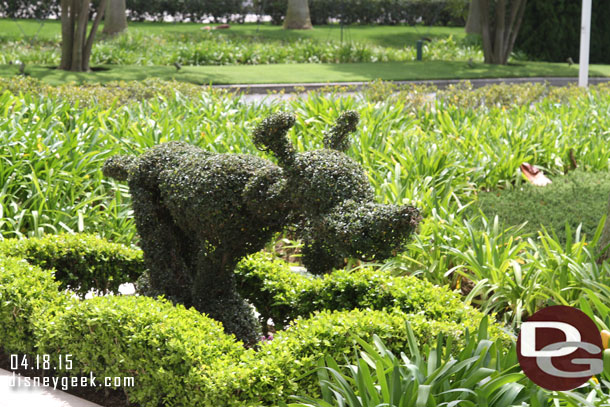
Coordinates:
(297,15)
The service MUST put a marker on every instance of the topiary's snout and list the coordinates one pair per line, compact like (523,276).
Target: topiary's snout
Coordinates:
(118,167)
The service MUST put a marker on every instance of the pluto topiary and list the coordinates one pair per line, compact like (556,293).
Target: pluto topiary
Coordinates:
(199,213)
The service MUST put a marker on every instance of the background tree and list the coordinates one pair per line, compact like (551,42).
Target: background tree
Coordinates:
(115,21)
(473,23)
(500,21)
(75,43)
(297,15)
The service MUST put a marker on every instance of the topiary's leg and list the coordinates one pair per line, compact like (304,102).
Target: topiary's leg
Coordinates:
(214,293)
(166,248)
(320,257)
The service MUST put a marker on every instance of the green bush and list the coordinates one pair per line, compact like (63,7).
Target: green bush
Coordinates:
(576,198)
(163,347)
(28,296)
(178,356)
(195,10)
(104,95)
(40,9)
(282,295)
(81,262)
(551,31)
(286,365)
(430,376)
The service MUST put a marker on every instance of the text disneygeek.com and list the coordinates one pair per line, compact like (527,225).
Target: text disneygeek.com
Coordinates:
(64,383)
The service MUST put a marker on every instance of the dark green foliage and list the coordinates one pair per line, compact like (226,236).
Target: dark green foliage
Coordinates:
(579,197)
(195,225)
(198,214)
(337,137)
(323,179)
(364,230)
(431,12)
(118,167)
(81,262)
(551,31)
(28,296)
(282,295)
(270,135)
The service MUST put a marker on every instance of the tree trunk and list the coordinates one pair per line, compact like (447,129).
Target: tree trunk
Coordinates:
(499,31)
(473,24)
(75,44)
(67,33)
(80,32)
(115,21)
(297,15)
(89,44)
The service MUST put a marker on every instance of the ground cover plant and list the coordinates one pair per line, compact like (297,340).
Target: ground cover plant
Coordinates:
(436,152)
(578,198)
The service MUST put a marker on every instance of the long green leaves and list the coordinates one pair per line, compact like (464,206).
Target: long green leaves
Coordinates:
(481,374)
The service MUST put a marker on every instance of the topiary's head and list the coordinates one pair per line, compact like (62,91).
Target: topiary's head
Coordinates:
(373,231)
(322,179)
(367,231)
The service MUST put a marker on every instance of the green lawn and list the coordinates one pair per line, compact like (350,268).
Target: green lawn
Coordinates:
(296,73)
(263,54)
(387,36)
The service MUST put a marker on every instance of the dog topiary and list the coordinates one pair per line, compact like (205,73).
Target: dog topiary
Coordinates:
(199,213)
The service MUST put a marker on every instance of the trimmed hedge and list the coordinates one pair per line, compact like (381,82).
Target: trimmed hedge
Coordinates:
(179,356)
(283,366)
(282,295)
(28,296)
(81,262)
(427,12)
(164,347)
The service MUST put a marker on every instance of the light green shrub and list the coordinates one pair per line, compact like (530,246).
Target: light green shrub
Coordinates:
(285,365)
(163,347)
(28,297)
(81,262)
(281,294)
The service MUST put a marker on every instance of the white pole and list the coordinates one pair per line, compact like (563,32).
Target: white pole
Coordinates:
(585,34)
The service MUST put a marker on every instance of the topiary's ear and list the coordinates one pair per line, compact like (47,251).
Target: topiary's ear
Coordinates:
(337,137)
(270,135)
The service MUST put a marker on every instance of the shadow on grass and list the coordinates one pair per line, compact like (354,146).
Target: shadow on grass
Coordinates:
(459,70)
(108,73)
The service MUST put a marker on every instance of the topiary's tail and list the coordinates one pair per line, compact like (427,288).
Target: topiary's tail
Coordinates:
(118,167)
